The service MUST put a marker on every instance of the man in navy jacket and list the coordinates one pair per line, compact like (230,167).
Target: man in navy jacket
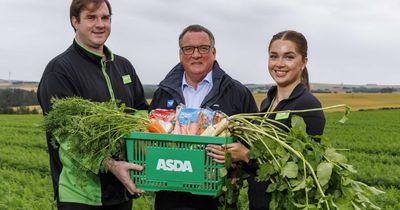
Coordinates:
(198,81)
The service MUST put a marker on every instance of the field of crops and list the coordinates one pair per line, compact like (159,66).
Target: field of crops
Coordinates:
(357,101)
(373,138)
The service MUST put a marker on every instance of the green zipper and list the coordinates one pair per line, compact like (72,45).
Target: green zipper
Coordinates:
(103,68)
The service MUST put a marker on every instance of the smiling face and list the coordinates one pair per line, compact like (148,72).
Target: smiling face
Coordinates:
(196,65)
(93,26)
(285,63)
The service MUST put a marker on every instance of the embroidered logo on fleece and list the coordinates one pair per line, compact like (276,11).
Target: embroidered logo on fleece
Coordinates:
(170,103)
(126,79)
(282,115)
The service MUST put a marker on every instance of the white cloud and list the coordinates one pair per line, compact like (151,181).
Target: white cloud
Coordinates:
(349,41)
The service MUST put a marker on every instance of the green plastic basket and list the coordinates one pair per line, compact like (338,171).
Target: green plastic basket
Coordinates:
(174,162)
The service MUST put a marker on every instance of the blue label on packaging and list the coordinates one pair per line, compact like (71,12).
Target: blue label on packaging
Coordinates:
(170,103)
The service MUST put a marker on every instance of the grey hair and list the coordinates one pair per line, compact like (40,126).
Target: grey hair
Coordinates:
(197,28)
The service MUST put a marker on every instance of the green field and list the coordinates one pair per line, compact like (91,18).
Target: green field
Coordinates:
(373,138)
(357,101)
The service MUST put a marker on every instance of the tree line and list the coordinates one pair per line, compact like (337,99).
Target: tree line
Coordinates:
(16,101)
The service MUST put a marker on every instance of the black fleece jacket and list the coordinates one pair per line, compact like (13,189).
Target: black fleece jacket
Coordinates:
(79,72)
(300,99)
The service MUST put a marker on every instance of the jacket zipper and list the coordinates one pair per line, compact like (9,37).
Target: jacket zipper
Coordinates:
(109,86)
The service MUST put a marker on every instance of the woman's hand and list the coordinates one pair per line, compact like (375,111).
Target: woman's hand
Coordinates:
(121,169)
(238,152)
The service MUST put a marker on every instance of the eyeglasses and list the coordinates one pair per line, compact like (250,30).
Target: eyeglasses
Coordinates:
(202,49)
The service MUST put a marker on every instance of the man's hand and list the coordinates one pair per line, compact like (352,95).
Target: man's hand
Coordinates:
(217,152)
(238,152)
(121,169)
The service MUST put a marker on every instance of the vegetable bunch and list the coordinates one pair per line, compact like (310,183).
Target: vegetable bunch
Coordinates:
(90,132)
(302,173)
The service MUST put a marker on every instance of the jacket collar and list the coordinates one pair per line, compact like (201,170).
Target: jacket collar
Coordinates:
(297,92)
(91,55)
(207,79)
(173,82)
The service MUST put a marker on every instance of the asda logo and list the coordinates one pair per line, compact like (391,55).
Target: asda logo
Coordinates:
(174,165)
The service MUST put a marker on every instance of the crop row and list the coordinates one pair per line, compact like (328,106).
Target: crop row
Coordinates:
(24,190)
(24,159)
(373,141)
(372,138)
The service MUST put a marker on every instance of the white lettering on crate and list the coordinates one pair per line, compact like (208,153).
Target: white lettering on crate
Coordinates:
(174,165)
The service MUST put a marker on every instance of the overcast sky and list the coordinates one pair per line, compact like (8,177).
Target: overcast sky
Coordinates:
(351,42)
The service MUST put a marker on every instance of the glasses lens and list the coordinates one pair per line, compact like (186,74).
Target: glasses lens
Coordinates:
(204,49)
(188,50)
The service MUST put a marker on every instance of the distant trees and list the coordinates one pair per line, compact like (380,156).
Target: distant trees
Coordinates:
(372,90)
(16,101)
(387,90)
(149,91)
(326,90)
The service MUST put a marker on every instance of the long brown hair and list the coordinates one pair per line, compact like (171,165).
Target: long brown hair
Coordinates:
(301,44)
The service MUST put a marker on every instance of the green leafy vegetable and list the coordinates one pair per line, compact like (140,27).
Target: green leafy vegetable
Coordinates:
(90,132)
(303,173)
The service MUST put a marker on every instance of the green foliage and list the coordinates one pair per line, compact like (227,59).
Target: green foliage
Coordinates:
(24,190)
(231,184)
(372,138)
(91,132)
(24,164)
(303,173)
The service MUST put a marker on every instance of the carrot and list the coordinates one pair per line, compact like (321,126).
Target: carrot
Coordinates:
(177,128)
(184,129)
(225,133)
(155,127)
(220,126)
(201,130)
(167,126)
(193,128)
(208,131)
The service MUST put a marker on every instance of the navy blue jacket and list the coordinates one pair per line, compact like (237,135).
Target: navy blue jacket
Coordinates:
(226,95)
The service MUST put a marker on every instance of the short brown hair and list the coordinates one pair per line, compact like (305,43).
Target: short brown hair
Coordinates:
(78,5)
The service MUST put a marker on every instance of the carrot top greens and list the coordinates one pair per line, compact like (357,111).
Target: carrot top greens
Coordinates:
(90,132)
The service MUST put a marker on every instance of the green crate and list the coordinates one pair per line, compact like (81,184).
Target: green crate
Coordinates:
(174,162)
